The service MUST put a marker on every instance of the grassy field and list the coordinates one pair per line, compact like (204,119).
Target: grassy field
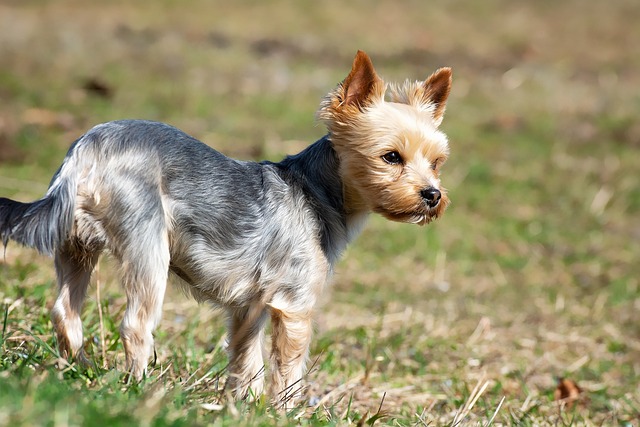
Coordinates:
(531,275)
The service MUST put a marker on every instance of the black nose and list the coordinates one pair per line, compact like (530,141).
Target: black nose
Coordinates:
(431,196)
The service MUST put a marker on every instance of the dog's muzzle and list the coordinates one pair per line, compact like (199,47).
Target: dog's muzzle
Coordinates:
(431,196)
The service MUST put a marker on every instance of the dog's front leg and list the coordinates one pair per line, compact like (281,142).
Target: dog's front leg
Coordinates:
(291,335)
(246,365)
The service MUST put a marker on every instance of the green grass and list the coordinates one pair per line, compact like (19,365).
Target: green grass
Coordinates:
(532,273)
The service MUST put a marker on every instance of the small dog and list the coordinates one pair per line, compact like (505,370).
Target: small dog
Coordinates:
(257,239)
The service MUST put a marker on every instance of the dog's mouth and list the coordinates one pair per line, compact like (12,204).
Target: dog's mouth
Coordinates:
(420,216)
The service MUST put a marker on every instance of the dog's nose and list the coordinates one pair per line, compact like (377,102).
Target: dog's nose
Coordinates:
(431,196)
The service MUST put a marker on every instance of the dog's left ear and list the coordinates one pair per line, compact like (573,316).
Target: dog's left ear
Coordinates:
(361,83)
(436,91)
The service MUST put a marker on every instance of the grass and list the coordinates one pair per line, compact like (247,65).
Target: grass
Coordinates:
(531,275)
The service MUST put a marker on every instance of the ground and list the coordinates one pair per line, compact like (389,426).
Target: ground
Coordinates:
(530,276)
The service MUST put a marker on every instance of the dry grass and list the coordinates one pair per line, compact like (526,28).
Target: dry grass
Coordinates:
(531,275)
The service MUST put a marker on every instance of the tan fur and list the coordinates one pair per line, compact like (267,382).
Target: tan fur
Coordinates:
(364,126)
(291,336)
(74,272)
(246,332)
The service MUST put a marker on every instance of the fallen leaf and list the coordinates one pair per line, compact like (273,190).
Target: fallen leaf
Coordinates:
(567,391)
(97,87)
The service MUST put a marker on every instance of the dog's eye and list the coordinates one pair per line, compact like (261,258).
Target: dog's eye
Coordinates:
(393,158)
(436,163)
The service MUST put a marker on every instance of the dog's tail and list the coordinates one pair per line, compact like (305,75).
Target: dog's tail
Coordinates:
(46,223)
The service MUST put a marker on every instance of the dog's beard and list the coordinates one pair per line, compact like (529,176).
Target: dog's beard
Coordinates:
(422,216)
(419,213)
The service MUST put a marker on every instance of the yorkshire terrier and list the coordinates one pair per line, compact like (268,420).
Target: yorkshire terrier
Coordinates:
(259,240)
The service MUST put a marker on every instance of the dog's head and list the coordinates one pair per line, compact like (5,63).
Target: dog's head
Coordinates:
(390,150)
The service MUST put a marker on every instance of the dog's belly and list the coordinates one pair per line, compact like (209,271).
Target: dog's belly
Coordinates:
(256,270)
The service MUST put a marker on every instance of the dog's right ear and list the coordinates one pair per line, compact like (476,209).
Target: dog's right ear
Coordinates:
(362,83)
(348,100)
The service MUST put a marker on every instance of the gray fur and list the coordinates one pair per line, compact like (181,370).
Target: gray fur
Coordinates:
(239,234)
(43,224)
(217,200)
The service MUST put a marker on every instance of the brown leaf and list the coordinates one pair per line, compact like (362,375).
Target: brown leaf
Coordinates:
(98,87)
(567,391)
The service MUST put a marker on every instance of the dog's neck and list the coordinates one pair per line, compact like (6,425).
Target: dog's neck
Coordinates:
(317,171)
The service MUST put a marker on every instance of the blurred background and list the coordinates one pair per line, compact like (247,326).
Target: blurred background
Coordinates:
(530,275)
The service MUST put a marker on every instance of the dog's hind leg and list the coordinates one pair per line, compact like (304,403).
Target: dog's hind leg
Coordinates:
(73,267)
(145,273)
(246,340)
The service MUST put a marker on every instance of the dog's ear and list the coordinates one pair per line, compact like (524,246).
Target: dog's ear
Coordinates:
(436,91)
(361,82)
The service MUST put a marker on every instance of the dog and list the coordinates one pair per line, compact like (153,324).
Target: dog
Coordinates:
(259,240)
